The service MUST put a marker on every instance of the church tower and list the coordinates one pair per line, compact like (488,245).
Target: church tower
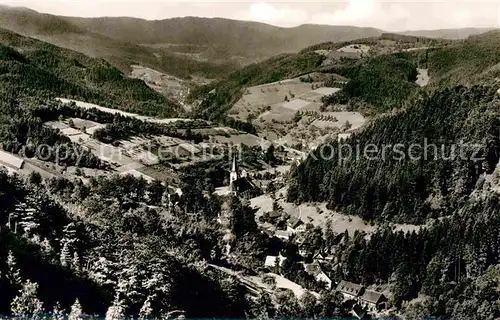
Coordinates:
(233,176)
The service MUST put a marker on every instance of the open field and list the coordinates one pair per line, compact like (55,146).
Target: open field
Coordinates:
(291,111)
(354,118)
(318,215)
(167,85)
(258,99)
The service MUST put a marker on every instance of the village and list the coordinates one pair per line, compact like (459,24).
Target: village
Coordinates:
(259,182)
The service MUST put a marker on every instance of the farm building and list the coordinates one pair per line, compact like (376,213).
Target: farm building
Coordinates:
(295,224)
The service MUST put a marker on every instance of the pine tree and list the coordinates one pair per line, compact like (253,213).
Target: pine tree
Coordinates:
(65,255)
(75,262)
(146,309)
(13,273)
(116,311)
(76,311)
(58,312)
(26,305)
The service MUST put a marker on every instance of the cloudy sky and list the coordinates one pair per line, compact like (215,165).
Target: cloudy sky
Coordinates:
(388,15)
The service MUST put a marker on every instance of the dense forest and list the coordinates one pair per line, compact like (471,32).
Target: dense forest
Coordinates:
(62,234)
(465,63)
(395,186)
(31,67)
(376,84)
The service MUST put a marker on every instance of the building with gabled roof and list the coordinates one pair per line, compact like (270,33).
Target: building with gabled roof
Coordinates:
(270,261)
(314,269)
(349,290)
(240,184)
(295,224)
(372,300)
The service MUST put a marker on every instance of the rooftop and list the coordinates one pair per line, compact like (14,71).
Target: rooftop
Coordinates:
(372,296)
(294,222)
(349,288)
(271,261)
(11,160)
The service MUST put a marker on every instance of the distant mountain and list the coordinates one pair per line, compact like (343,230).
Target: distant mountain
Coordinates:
(199,38)
(250,39)
(450,34)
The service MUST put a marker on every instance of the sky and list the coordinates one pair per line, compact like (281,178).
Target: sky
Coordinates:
(387,15)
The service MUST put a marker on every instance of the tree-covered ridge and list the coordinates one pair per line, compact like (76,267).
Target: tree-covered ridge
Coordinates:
(377,84)
(53,258)
(452,266)
(220,96)
(472,61)
(403,189)
(22,131)
(401,42)
(31,67)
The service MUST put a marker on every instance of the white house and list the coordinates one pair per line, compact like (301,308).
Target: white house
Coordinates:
(314,269)
(271,261)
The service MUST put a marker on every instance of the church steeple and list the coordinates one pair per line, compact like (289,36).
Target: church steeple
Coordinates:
(234,174)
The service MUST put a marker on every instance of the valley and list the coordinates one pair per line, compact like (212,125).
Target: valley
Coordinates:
(197,168)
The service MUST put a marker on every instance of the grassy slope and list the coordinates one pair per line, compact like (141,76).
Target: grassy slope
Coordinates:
(220,96)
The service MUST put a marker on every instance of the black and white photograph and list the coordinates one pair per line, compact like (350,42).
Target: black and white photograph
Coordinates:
(249,160)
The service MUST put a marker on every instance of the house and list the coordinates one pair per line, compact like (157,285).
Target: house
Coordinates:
(275,214)
(373,301)
(11,161)
(304,250)
(283,234)
(295,224)
(349,290)
(322,257)
(314,269)
(270,261)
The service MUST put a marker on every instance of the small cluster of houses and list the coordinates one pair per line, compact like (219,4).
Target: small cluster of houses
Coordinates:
(369,300)
(313,269)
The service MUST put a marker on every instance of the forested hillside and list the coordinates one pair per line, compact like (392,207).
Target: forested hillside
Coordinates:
(219,38)
(469,62)
(31,67)
(55,261)
(451,266)
(398,188)
(63,32)
(377,84)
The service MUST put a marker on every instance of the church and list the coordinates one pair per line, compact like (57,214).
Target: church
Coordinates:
(240,184)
